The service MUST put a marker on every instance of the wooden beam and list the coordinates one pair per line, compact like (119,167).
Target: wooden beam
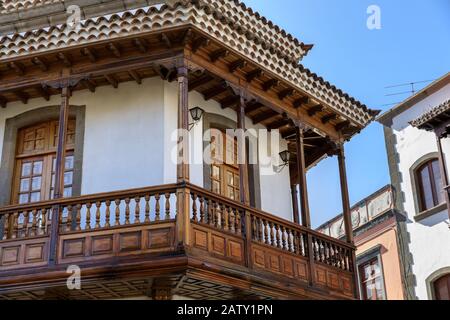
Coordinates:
(135,75)
(252,106)
(18,68)
(165,38)
(202,80)
(41,63)
(90,53)
(278,124)
(242,159)
(265,116)
(22,96)
(270,84)
(141,44)
(342,125)
(300,102)
(301,167)
(229,102)
(286,93)
(240,63)
(114,49)
(314,110)
(65,58)
(89,84)
(43,92)
(215,91)
(112,80)
(220,53)
(3,102)
(252,75)
(187,36)
(328,118)
(200,43)
(171,75)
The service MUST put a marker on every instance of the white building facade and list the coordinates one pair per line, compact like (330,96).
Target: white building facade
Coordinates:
(421,177)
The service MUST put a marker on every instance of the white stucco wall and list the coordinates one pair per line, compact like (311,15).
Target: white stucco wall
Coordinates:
(128,140)
(429,238)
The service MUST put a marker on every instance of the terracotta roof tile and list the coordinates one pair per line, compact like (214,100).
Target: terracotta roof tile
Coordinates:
(228,21)
(431,114)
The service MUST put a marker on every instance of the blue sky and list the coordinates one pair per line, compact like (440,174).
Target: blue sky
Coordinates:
(413,44)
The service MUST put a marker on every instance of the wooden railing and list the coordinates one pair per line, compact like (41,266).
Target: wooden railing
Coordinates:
(221,227)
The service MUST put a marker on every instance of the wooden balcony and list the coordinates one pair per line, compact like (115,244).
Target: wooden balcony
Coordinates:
(163,241)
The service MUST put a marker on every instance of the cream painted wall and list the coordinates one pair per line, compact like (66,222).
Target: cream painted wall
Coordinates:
(390,261)
(430,238)
(129,142)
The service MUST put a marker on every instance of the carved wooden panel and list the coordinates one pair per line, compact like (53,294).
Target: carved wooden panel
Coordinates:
(279,262)
(23,253)
(111,242)
(220,245)
(336,280)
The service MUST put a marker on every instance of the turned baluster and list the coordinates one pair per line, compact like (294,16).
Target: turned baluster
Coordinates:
(98,204)
(237,223)
(266,232)
(88,216)
(225,218)
(210,213)
(202,210)
(333,255)
(147,209)
(215,215)
(137,210)
(259,229)
(62,221)
(277,234)
(254,228)
(44,221)
(222,216)
(167,206)
(157,208)
(272,236)
(283,238)
(230,224)
(290,238)
(117,212)
(314,241)
(340,264)
(233,220)
(5,220)
(33,223)
(69,218)
(194,207)
(127,211)
(26,217)
(107,213)
(78,218)
(15,228)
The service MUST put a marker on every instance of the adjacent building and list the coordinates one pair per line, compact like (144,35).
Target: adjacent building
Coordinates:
(378,240)
(418,148)
(103,129)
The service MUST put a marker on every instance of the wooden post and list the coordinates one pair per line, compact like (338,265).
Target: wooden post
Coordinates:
(295,211)
(345,196)
(301,166)
(243,168)
(304,204)
(183,124)
(59,170)
(444,176)
(347,214)
(183,193)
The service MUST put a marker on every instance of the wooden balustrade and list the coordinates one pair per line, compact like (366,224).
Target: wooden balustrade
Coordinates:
(26,222)
(134,207)
(220,227)
(216,212)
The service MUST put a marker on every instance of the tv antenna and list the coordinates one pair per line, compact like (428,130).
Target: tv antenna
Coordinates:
(412,86)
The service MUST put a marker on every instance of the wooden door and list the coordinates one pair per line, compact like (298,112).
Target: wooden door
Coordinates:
(442,288)
(224,168)
(35,163)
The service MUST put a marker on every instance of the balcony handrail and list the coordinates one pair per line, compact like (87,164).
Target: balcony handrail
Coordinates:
(268,216)
(88,198)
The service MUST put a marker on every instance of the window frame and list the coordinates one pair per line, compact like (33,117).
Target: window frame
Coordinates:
(363,259)
(428,165)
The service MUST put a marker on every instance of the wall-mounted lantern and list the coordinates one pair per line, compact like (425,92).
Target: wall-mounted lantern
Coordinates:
(196,115)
